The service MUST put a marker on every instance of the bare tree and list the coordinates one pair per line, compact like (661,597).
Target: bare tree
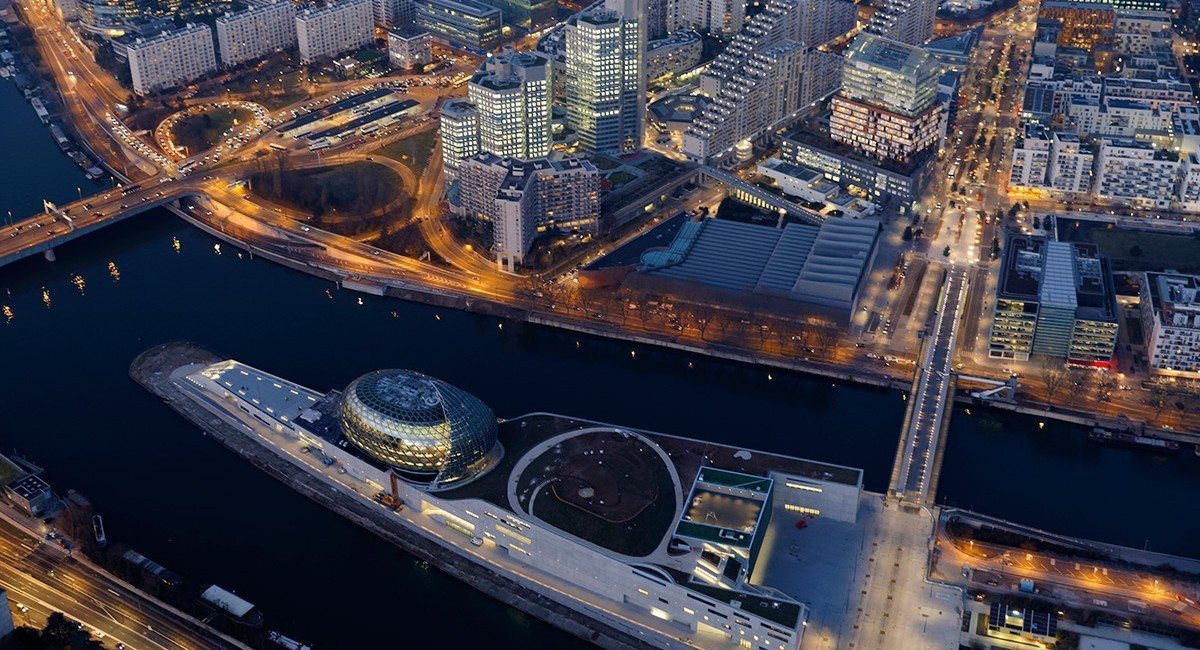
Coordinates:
(1079,382)
(1053,376)
(1105,384)
(1157,399)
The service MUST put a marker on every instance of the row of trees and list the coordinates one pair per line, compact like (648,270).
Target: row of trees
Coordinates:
(1082,385)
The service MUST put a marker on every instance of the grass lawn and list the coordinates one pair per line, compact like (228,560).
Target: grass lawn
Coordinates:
(200,132)
(619,178)
(412,151)
(1158,251)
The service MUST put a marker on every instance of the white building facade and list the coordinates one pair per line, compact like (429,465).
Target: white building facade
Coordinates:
(171,58)
(266,26)
(335,28)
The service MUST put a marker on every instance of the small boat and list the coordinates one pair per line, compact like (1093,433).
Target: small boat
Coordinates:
(1123,439)
(98,531)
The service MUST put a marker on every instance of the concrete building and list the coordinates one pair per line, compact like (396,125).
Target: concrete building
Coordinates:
(409,48)
(522,198)
(605,76)
(462,23)
(904,21)
(1170,304)
(1188,195)
(1030,159)
(32,495)
(717,17)
(511,92)
(264,27)
(1136,173)
(393,14)
(765,78)
(888,105)
(679,52)
(459,130)
(1123,118)
(325,32)
(6,619)
(528,14)
(1071,163)
(1055,299)
(811,186)
(171,58)
(881,181)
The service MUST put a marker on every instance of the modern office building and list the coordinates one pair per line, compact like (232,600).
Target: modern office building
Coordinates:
(880,180)
(459,130)
(527,14)
(1055,299)
(904,21)
(605,76)
(1170,304)
(264,27)
(427,430)
(393,14)
(767,77)
(171,58)
(462,23)
(112,17)
(1136,173)
(341,26)
(888,105)
(679,52)
(511,93)
(523,198)
(409,48)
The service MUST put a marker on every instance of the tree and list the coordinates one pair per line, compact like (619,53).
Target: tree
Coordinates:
(946,252)
(995,247)
(1157,399)
(1105,384)
(1053,376)
(1014,209)
(908,233)
(1079,382)
(1135,251)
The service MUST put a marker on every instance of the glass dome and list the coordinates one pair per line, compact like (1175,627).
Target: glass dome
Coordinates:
(418,424)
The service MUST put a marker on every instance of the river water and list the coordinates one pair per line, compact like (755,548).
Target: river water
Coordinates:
(66,402)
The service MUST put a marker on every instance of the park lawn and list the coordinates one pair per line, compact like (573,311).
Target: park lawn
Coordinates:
(413,151)
(358,188)
(1158,251)
(198,134)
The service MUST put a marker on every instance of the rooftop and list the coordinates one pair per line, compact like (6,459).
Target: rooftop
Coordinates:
(1175,299)
(1059,273)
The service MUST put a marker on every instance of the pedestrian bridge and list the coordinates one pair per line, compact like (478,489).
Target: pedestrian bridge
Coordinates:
(758,196)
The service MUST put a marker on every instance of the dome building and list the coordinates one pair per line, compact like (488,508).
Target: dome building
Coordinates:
(428,430)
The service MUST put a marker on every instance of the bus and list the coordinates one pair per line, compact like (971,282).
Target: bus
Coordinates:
(277,147)
(318,145)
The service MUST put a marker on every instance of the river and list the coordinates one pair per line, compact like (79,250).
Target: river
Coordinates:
(164,489)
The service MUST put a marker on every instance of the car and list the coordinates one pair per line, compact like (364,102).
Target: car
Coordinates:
(23,607)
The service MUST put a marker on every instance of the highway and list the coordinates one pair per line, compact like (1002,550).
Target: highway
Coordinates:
(43,579)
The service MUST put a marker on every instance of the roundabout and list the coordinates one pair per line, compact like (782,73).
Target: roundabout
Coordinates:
(202,127)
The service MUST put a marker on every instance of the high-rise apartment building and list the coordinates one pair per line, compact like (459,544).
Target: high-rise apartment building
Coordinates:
(905,21)
(462,23)
(391,14)
(335,28)
(511,91)
(459,129)
(888,105)
(522,198)
(171,58)
(1136,173)
(768,74)
(264,27)
(1055,299)
(717,17)
(605,77)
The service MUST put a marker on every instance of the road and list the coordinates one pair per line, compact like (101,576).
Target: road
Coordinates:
(41,577)
(1085,583)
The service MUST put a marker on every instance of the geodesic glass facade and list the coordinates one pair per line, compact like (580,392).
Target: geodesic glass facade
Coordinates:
(419,424)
